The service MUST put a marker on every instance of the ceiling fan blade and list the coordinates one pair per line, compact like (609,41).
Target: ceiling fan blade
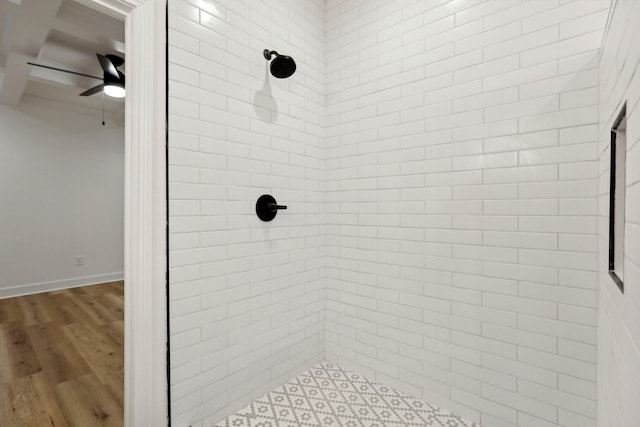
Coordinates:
(48,67)
(92,91)
(115,60)
(108,66)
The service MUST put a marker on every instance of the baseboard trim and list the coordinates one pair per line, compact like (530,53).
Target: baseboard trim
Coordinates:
(56,285)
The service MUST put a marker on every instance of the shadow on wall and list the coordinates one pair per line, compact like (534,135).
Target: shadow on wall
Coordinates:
(264,103)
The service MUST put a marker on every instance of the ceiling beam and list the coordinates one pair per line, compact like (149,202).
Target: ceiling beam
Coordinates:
(116,8)
(34,19)
(75,21)
(8,10)
(15,78)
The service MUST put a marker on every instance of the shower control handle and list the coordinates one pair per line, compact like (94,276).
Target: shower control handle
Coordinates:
(267,208)
(278,207)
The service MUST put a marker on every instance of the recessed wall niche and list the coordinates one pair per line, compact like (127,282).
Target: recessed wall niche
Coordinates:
(617,198)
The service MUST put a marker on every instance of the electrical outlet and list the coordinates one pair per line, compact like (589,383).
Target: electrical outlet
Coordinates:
(79,260)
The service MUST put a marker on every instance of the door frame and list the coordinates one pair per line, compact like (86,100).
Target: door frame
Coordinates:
(145,224)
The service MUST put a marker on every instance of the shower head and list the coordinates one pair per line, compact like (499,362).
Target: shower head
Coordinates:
(282,66)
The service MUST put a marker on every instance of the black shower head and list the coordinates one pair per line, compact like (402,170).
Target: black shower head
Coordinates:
(281,67)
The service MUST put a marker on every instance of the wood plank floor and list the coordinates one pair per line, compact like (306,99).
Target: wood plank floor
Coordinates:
(62,358)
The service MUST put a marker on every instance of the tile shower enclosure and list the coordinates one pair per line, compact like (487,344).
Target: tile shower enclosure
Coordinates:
(439,160)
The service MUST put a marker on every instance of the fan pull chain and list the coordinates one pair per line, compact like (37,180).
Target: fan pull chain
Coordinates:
(102,107)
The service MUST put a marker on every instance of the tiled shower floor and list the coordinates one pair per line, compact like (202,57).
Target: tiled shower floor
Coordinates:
(328,396)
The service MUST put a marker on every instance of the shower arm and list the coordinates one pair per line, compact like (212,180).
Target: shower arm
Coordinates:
(267,54)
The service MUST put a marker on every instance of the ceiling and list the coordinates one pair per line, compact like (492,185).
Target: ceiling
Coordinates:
(59,33)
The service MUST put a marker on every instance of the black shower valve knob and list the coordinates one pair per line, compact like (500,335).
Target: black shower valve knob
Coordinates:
(267,208)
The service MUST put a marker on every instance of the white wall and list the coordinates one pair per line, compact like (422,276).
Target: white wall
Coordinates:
(461,203)
(247,297)
(62,196)
(619,314)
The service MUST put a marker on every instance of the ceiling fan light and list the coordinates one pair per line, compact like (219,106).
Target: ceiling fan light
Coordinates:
(114,91)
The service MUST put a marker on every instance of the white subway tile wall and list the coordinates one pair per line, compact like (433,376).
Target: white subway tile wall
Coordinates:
(440,163)
(247,297)
(618,314)
(461,193)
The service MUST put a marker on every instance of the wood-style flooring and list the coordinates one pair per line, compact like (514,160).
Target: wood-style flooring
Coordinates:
(62,358)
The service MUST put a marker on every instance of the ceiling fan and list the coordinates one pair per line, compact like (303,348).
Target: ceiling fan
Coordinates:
(112,78)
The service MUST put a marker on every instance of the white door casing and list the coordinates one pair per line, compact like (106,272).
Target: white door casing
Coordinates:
(145,265)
